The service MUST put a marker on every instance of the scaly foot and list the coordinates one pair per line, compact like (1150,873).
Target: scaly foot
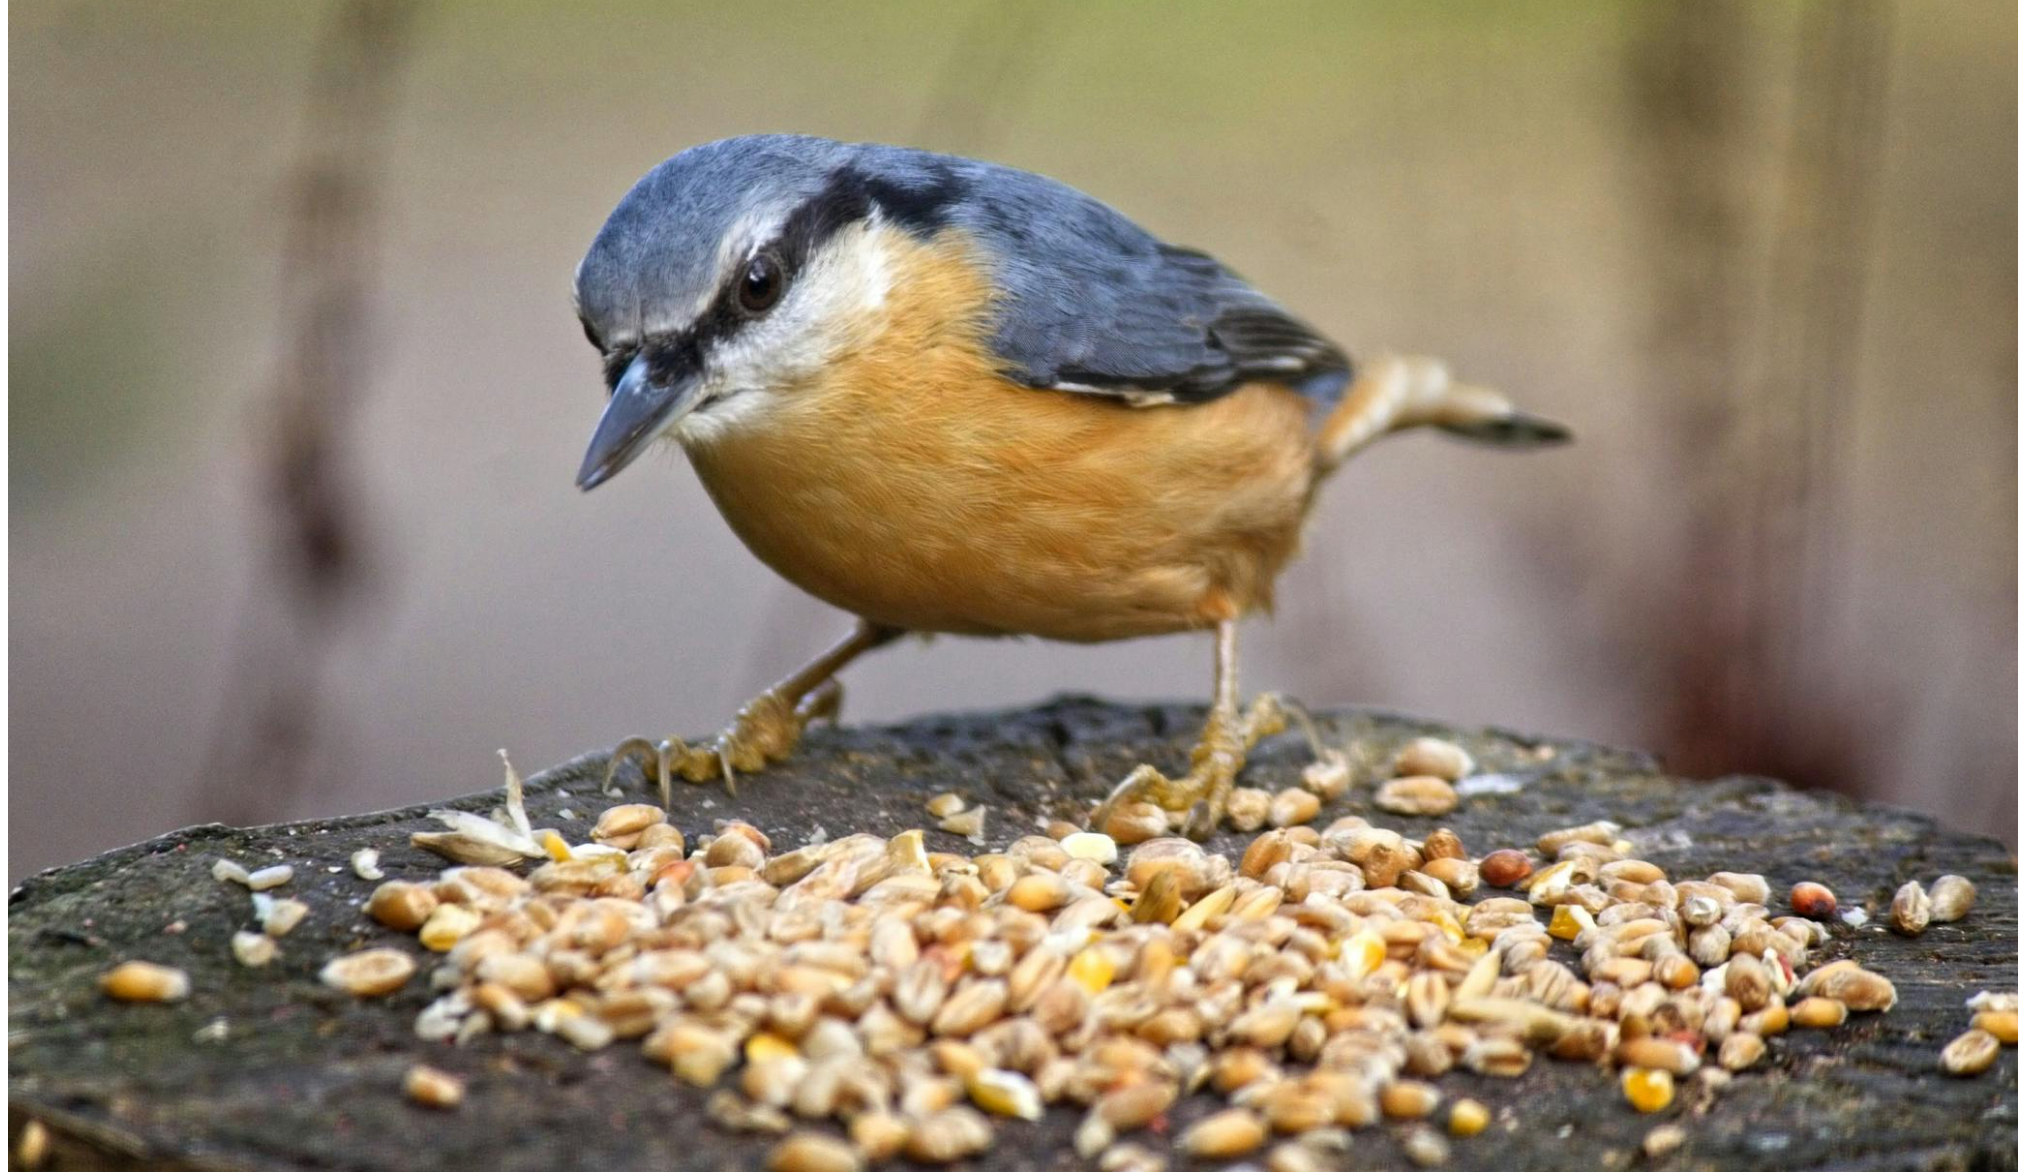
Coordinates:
(1216,761)
(766,730)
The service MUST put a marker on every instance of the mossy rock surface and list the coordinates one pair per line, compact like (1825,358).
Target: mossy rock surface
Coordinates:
(266,1068)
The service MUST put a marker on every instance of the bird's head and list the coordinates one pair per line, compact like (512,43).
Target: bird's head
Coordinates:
(735,270)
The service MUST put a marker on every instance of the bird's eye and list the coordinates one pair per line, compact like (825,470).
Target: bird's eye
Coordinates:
(761,284)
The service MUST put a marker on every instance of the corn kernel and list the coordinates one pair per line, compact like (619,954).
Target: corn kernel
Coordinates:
(449,923)
(1362,953)
(1448,922)
(555,846)
(1093,968)
(1648,1090)
(1468,1117)
(1570,921)
(763,1047)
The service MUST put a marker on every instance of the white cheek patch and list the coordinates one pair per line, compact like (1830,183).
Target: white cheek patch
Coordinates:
(833,305)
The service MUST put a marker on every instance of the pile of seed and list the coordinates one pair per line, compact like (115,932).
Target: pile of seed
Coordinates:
(1320,982)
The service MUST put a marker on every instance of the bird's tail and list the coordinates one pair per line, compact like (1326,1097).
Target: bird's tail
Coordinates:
(1394,392)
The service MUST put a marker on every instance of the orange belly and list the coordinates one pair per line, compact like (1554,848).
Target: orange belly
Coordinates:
(993,509)
(908,483)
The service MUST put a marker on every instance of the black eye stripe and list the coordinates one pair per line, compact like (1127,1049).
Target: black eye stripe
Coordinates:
(848,197)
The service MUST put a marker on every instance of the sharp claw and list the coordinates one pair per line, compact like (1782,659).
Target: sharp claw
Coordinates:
(728,772)
(1200,822)
(646,752)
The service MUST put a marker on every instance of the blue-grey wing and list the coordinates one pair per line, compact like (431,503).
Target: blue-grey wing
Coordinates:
(1092,303)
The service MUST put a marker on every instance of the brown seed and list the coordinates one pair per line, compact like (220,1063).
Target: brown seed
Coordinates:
(622,826)
(401,906)
(1420,796)
(1328,776)
(1135,822)
(373,972)
(433,1088)
(253,949)
(1265,852)
(1428,999)
(947,1136)
(31,1150)
(1710,946)
(1554,841)
(1950,899)
(1459,876)
(1135,1104)
(878,1135)
(1740,1050)
(278,917)
(1434,757)
(1293,807)
(1747,888)
(1247,809)
(1443,843)
(1911,910)
(1860,990)
(1745,980)
(1039,891)
(1408,1099)
(1659,1054)
(1499,1057)
(1970,1053)
(1425,1148)
(1505,868)
(971,1008)
(1178,856)
(143,981)
(1999,1024)
(1663,1140)
(1230,1133)
(808,1151)
(1812,900)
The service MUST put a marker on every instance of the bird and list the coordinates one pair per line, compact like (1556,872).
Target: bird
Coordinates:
(952,397)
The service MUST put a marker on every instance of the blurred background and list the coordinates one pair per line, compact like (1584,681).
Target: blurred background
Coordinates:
(297,395)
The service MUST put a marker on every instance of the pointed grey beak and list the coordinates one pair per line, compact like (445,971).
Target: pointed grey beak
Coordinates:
(639,412)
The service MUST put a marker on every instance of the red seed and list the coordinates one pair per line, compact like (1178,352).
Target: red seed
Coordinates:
(1814,901)
(1504,868)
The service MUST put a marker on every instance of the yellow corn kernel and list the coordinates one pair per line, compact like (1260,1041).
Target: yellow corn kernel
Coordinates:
(555,846)
(1474,946)
(1449,923)
(1570,921)
(1362,953)
(1468,1117)
(762,1047)
(1648,1090)
(1093,968)
(449,923)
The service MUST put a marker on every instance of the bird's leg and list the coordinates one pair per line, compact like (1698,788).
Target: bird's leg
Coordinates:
(765,730)
(1217,758)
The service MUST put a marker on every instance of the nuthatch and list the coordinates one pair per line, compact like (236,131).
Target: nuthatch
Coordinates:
(950,396)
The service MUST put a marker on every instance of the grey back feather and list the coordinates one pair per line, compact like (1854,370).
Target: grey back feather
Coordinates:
(1088,301)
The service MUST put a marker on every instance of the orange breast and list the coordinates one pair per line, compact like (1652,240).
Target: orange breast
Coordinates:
(911,485)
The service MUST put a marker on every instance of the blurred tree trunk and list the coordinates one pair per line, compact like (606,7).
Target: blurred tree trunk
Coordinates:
(316,563)
(1760,364)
